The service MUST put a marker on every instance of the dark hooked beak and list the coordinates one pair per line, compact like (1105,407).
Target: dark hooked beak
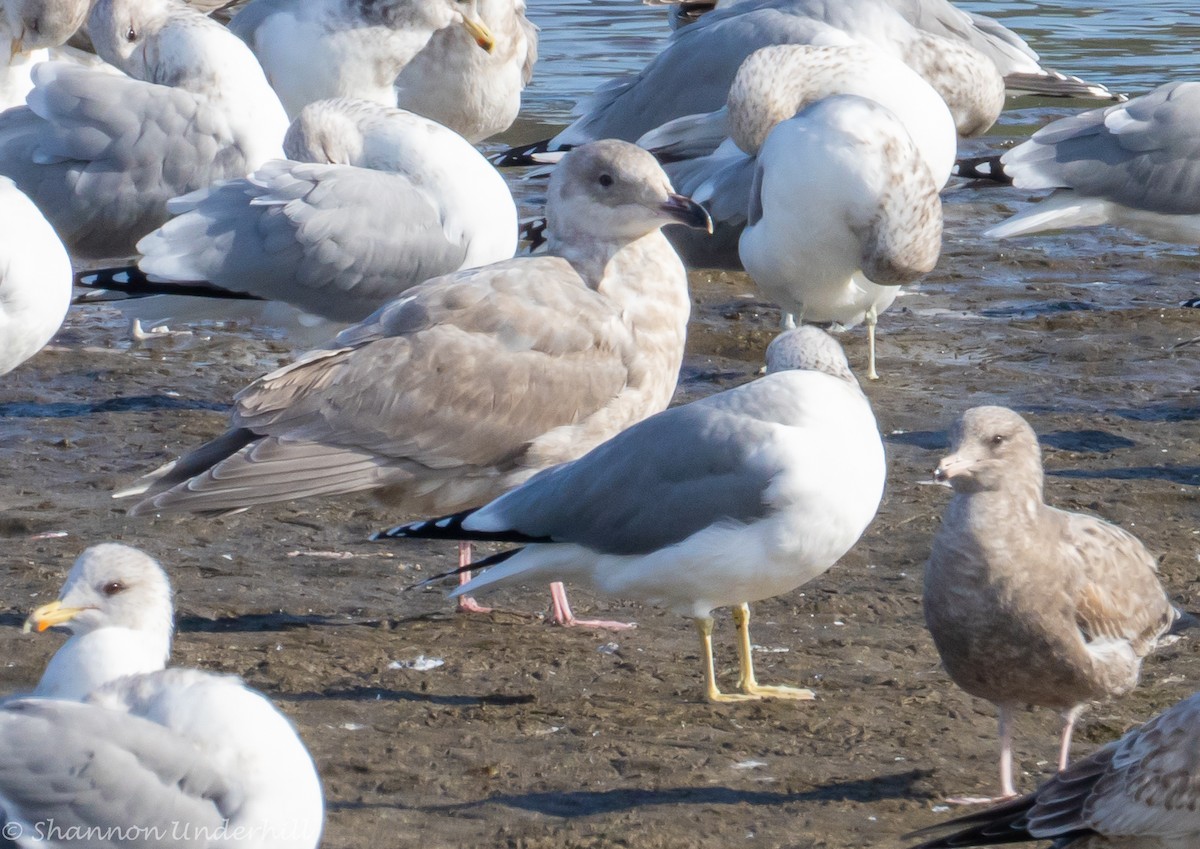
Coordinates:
(687,212)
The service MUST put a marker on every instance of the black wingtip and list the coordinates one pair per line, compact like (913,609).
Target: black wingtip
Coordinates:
(517,157)
(988,168)
(533,231)
(451,528)
(132,282)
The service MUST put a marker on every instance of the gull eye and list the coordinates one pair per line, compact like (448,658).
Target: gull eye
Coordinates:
(998,439)
(112,588)
(131,34)
(606,180)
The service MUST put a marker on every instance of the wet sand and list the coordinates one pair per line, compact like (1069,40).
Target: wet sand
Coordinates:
(534,736)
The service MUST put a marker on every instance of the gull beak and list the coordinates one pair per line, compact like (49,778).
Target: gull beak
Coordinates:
(950,468)
(480,32)
(49,615)
(16,46)
(687,212)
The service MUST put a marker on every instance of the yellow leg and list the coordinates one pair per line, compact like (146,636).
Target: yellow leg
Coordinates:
(872,319)
(746,682)
(704,628)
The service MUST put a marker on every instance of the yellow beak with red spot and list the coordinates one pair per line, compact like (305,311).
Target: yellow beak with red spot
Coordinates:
(479,31)
(49,615)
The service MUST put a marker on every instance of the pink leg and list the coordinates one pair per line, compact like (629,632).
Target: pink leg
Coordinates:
(467,604)
(1007,790)
(563,615)
(1064,750)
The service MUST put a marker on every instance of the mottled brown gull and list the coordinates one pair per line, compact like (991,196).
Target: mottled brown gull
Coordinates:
(317,49)
(1135,165)
(469,384)
(176,758)
(1139,792)
(116,603)
(712,157)
(842,212)
(728,500)
(101,154)
(1029,604)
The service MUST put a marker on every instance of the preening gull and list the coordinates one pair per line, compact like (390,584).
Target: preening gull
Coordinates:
(694,71)
(871,219)
(1134,164)
(1013,57)
(116,603)
(474,92)
(711,157)
(173,758)
(318,49)
(379,201)
(35,279)
(468,384)
(1029,604)
(28,28)
(1139,792)
(101,154)
(734,498)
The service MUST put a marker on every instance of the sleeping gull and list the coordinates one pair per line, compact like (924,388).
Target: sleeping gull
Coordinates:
(28,28)
(317,49)
(734,498)
(1013,57)
(711,157)
(473,92)
(1134,164)
(178,757)
(1139,792)
(116,603)
(469,384)
(1029,604)
(379,201)
(35,275)
(871,219)
(101,154)
(694,71)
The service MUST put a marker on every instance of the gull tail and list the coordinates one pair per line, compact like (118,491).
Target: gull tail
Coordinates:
(131,282)
(982,168)
(527,154)
(1055,84)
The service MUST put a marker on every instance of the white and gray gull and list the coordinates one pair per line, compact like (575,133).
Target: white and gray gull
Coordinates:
(468,384)
(740,496)
(1026,603)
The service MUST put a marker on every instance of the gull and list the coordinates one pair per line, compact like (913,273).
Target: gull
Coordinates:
(1013,57)
(1026,603)
(712,157)
(318,49)
(694,71)
(1134,164)
(1139,792)
(474,92)
(177,757)
(372,201)
(871,219)
(468,384)
(28,28)
(35,275)
(116,603)
(101,154)
(738,497)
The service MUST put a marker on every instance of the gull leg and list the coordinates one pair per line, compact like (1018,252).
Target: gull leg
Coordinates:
(1007,790)
(746,681)
(1064,749)
(563,616)
(466,603)
(704,628)
(872,320)
(787,320)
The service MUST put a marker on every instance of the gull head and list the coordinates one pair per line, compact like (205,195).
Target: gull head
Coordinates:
(35,24)
(615,190)
(992,449)
(811,349)
(110,585)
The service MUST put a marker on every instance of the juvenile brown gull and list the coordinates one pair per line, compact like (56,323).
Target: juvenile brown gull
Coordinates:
(737,497)
(1029,604)
(468,384)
